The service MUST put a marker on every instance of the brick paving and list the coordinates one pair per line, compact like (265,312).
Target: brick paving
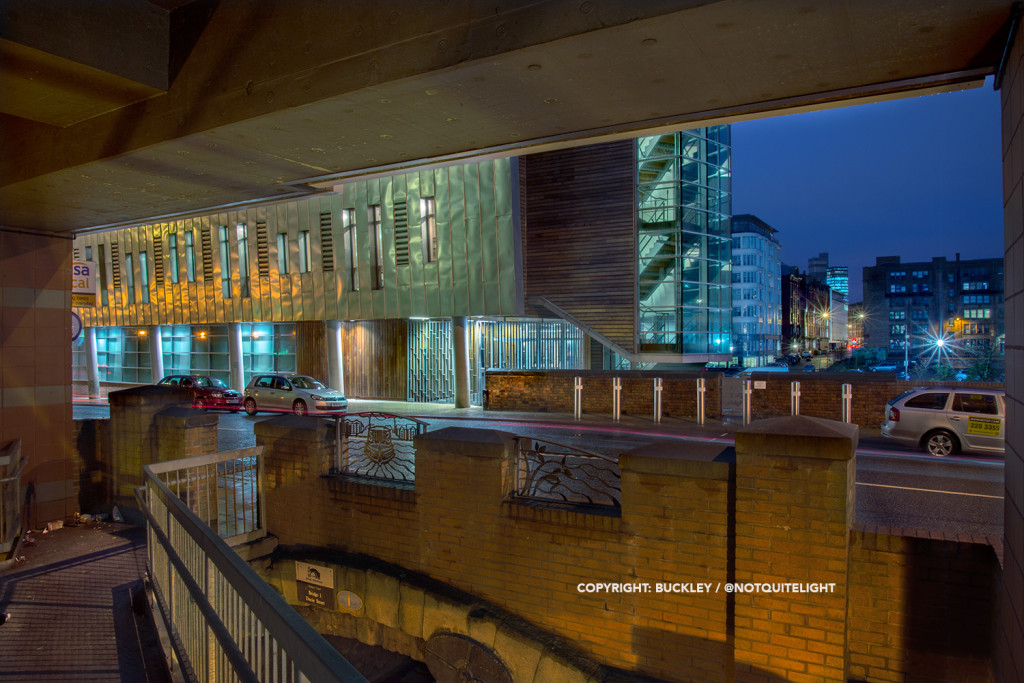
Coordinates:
(78,608)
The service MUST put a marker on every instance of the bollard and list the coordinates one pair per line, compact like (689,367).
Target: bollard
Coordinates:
(747,391)
(577,391)
(847,403)
(657,399)
(616,398)
(794,398)
(701,389)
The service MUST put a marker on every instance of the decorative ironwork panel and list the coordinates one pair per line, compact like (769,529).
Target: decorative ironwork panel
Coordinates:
(376,445)
(431,371)
(554,472)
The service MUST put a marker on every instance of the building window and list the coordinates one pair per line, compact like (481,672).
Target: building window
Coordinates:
(144,275)
(190,255)
(282,253)
(348,225)
(243,258)
(304,251)
(172,246)
(104,301)
(130,277)
(376,234)
(428,229)
(225,261)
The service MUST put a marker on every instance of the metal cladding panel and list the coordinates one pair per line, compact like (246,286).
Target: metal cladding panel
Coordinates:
(472,286)
(445,270)
(261,301)
(507,239)
(488,223)
(458,241)
(389,292)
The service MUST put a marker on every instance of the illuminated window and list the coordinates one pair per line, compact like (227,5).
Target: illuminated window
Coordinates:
(348,223)
(376,234)
(428,229)
(190,255)
(172,246)
(144,275)
(282,253)
(225,261)
(243,258)
(304,251)
(130,277)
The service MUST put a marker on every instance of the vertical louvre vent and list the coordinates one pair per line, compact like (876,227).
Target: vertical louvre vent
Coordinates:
(115,264)
(76,254)
(262,249)
(158,258)
(207,244)
(401,233)
(326,241)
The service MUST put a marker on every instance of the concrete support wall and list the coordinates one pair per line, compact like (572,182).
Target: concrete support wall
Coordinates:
(1011,659)
(778,511)
(35,367)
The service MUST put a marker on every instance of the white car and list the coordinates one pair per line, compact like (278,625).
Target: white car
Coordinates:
(285,393)
(945,420)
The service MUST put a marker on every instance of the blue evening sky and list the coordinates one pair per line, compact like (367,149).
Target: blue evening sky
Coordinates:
(914,178)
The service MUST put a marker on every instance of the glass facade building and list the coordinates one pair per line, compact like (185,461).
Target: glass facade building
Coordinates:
(756,291)
(683,243)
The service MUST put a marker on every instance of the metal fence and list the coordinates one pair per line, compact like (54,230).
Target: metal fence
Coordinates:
(226,623)
(376,445)
(222,489)
(12,463)
(554,472)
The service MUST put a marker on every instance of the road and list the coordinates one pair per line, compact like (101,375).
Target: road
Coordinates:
(896,486)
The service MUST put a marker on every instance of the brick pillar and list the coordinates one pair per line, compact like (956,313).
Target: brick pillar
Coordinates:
(133,434)
(675,506)
(794,509)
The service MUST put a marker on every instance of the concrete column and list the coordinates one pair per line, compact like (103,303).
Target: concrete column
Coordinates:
(235,356)
(335,368)
(460,350)
(794,509)
(156,353)
(92,361)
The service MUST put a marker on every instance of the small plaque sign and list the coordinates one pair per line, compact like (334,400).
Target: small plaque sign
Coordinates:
(316,574)
(760,384)
(349,602)
(314,595)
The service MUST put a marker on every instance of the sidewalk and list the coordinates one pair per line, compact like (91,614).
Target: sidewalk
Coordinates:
(78,608)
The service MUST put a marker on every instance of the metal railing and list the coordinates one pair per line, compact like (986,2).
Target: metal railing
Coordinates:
(376,445)
(222,489)
(554,472)
(225,622)
(12,464)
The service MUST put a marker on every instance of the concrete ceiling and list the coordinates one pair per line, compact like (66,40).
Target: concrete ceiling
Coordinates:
(171,107)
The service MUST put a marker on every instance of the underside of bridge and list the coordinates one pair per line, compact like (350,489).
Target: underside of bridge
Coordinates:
(122,112)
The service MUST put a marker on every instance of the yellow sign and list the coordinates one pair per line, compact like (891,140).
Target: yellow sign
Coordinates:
(984,426)
(83,284)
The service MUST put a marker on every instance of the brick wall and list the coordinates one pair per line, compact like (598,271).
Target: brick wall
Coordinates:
(820,393)
(779,510)
(552,391)
(921,608)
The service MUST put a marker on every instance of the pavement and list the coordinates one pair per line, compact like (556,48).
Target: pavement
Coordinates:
(78,607)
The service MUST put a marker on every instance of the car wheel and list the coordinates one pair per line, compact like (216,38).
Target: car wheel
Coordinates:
(941,443)
(299,408)
(250,406)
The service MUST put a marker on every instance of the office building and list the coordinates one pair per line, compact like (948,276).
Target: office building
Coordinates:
(756,291)
(817,267)
(838,279)
(920,302)
(369,287)
(806,306)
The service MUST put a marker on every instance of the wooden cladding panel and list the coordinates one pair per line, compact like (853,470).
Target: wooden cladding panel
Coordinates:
(579,234)
(375,359)
(311,349)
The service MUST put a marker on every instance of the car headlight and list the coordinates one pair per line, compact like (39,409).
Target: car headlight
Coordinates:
(216,394)
(316,397)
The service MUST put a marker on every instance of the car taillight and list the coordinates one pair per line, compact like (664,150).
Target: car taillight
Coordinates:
(894,414)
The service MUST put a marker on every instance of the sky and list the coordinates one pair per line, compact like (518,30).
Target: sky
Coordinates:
(914,178)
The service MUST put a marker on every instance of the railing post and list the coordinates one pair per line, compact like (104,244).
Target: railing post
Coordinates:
(701,392)
(657,399)
(747,392)
(794,398)
(577,393)
(616,398)
(847,403)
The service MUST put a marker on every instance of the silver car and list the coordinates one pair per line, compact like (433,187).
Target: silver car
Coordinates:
(285,393)
(947,420)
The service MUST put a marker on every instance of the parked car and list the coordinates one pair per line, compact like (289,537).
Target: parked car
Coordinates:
(884,367)
(207,392)
(943,420)
(284,393)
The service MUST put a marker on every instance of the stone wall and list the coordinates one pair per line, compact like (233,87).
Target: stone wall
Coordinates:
(778,510)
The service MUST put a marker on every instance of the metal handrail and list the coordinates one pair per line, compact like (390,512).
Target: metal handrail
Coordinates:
(221,585)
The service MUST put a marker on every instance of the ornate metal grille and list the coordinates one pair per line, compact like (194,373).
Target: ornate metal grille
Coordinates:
(554,472)
(376,445)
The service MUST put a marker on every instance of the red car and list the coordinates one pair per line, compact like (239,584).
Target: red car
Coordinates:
(207,392)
